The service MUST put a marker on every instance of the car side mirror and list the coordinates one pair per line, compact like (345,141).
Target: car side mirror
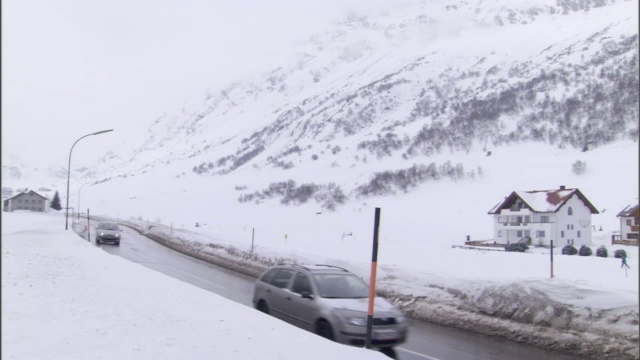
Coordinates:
(306,295)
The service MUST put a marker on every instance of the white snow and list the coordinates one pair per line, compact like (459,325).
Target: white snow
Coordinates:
(64,298)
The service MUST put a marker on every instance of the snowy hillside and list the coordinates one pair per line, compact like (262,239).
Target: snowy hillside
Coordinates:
(431,111)
(407,85)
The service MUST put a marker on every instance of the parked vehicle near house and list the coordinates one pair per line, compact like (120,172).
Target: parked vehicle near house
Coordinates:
(602,252)
(520,247)
(108,231)
(585,251)
(329,301)
(569,250)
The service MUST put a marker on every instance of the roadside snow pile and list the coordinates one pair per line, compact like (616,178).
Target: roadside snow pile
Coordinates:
(561,314)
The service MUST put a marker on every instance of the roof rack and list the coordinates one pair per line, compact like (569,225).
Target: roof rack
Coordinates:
(292,264)
(333,266)
(307,267)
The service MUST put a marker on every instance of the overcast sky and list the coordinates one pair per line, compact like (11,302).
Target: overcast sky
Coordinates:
(74,67)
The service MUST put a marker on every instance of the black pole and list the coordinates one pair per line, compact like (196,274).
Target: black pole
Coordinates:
(551,258)
(253,234)
(88,227)
(372,286)
(66,224)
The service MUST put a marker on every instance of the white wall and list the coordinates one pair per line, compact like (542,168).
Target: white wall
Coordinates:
(571,224)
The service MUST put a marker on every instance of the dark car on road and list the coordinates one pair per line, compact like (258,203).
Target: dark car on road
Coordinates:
(108,231)
(329,301)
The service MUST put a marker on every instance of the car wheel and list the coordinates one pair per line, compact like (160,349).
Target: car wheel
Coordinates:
(262,306)
(389,351)
(324,329)
(97,241)
(117,243)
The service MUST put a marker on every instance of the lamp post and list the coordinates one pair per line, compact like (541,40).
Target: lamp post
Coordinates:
(81,186)
(66,225)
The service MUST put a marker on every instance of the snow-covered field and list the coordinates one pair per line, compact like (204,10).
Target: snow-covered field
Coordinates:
(590,305)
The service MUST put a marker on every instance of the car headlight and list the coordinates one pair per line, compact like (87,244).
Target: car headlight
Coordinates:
(357,321)
(117,235)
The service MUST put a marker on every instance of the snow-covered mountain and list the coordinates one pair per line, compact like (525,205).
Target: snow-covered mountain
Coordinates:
(433,111)
(420,79)
(387,100)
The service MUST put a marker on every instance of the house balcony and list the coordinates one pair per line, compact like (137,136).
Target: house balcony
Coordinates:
(515,212)
(512,225)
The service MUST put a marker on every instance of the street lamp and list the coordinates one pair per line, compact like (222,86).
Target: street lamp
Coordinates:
(66,225)
(79,198)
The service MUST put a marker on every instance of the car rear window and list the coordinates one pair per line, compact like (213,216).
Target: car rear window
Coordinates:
(281,278)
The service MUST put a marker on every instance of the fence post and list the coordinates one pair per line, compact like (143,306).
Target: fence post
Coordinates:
(88,227)
(551,258)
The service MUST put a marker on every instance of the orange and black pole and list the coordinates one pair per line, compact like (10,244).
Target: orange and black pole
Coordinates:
(372,286)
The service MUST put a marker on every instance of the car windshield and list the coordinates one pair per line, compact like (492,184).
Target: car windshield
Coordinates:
(341,286)
(108,227)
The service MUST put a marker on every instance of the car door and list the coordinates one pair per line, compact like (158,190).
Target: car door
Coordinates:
(277,294)
(301,302)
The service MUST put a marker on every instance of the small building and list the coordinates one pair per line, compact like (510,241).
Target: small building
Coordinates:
(630,223)
(539,216)
(26,200)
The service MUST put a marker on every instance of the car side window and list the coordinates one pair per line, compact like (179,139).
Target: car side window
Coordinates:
(301,284)
(281,278)
(268,276)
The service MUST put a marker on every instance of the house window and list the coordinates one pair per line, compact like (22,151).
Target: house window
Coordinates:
(540,233)
(562,233)
(527,233)
(570,211)
(632,236)
(628,221)
(544,219)
(499,219)
(499,233)
(519,233)
(527,219)
(519,219)
(578,233)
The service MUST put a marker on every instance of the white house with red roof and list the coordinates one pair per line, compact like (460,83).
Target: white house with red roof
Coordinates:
(539,216)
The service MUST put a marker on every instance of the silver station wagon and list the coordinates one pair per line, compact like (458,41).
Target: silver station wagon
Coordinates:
(329,301)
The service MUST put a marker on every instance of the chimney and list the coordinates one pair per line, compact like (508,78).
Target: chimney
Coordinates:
(561,187)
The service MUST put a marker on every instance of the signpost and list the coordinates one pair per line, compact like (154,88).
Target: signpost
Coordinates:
(372,286)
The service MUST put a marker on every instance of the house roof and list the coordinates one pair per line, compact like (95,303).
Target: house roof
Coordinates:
(543,201)
(629,211)
(27,192)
